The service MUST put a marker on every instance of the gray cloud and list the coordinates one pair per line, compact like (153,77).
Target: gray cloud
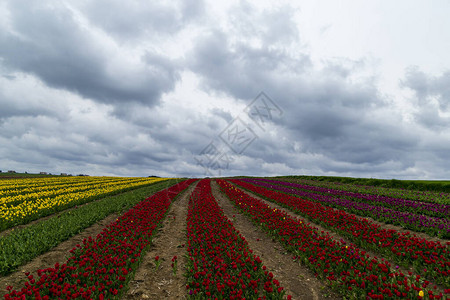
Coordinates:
(137,19)
(52,43)
(325,111)
(432,97)
(89,87)
(239,70)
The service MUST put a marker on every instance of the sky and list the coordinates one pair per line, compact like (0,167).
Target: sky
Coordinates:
(201,88)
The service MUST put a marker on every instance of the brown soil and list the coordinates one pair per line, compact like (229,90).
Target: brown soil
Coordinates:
(320,229)
(298,281)
(334,235)
(58,254)
(149,283)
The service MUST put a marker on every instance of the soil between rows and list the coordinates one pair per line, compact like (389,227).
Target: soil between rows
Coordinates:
(334,235)
(58,254)
(298,281)
(169,241)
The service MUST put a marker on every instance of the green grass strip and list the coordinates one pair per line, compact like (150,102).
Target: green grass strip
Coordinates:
(21,246)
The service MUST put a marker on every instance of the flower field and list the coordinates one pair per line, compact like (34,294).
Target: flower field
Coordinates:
(221,263)
(429,257)
(101,266)
(346,241)
(21,203)
(432,218)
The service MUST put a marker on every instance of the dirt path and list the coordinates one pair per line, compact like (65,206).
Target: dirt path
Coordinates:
(149,283)
(58,254)
(334,235)
(297,280)
(323,230)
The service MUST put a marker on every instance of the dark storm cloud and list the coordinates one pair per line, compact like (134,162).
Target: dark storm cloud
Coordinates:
(35,142)
(52,43)
(89,87)
(239,70)
(346,122)
(325,111)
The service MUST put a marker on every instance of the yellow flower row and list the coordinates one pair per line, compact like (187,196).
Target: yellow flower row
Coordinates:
(20,209)
(24,186)
(53,191)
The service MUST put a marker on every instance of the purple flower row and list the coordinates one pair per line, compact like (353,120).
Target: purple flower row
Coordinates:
(419,207)
(431,225)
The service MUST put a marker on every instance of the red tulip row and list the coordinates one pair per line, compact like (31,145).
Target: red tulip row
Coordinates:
(345,266)
(221,265)
(102,266)
(429,258)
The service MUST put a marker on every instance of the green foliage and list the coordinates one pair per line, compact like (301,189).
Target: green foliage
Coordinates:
(21,246)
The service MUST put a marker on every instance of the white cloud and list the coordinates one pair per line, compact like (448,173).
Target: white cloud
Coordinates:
(142,88)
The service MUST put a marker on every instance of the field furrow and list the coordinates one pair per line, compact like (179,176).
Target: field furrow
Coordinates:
(23,244)
(223,238)
(221,264)
(163,282)
(296,278)
(435,226)
(347,268)
(429,258)
(101,267)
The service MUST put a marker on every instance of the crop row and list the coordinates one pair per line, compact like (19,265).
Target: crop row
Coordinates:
(431,225)
(417,207)
(221,265)
(424,196)
(22,245)
(29,210)
(52,191)
(346,267)
(429,258)
(28,187)
(101,267)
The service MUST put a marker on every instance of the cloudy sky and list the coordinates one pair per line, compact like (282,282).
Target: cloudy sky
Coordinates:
(195,88)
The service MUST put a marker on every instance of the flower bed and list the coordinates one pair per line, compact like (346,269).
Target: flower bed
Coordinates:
(221,265)
(407,217)
(346,267)
(22,245)
(429,258)
(23,205)
(101,267)
(432,209)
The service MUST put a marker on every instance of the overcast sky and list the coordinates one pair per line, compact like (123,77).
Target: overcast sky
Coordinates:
(195,88)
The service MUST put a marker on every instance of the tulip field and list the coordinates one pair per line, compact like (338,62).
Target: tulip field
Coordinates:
(87,237)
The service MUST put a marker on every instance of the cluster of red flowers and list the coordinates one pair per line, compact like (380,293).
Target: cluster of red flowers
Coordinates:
(347,267)
(220,264)
(101,267)
(429,258)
